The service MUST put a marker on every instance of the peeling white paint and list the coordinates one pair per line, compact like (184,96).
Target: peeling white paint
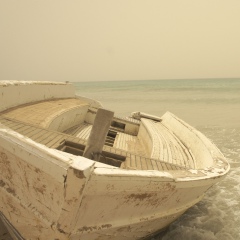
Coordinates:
(62,196)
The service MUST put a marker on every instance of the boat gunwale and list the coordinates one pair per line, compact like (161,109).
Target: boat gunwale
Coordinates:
(176,175)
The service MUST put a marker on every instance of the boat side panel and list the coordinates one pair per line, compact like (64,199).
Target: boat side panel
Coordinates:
(75,184)
(40,188)
(27,93)
(125,206)
(30,198)
(141,229)
(68,119)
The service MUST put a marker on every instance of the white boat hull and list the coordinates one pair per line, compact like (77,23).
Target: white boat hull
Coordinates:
(46,193)
(97,202)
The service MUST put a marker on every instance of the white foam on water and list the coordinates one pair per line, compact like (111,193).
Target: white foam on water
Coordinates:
(217,216)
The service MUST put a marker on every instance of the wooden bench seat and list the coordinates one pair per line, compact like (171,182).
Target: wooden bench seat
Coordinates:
(165,146)
(54,114)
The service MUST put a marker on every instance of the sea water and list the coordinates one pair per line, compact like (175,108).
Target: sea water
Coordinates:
(213,107)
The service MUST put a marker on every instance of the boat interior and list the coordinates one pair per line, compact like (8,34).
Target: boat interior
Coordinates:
(65,125)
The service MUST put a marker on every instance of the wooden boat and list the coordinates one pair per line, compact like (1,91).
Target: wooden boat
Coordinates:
(149,171)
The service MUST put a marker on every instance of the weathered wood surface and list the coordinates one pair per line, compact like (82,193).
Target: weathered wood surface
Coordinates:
(43,113)
(15,93)
(165,145)
(54,139)
(129,143)
(63,190)
(81,131)
(98,134)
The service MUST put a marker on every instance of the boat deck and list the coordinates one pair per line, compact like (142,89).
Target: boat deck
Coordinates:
(122,141)
(33,121)
(42,113)
(82,131)
(54,139)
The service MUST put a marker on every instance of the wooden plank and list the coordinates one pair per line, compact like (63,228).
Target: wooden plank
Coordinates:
(49,138)
(72,130)
(29,130)
(133,161)
(41,135)
(34,133)
(183,150)
(98,134)
(138,162)
(55,141)
(84,131)
(45,137)
(160,165)
(166,146)
(144,163)
(154,164)
(160,131)
(13,125)
(23,129)
(149,163)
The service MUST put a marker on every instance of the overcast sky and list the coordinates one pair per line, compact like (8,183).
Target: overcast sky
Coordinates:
(93,40)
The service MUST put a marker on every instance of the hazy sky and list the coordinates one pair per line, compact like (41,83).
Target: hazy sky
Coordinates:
(78,40)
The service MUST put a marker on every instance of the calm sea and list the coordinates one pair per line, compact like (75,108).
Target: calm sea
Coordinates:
(199,102)
(213,107)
